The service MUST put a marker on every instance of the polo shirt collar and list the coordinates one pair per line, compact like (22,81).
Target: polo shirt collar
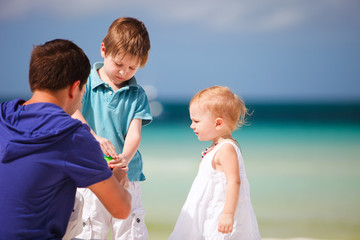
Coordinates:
(96,81)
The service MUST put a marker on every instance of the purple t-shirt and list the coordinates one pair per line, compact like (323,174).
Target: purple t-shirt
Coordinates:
(44,156)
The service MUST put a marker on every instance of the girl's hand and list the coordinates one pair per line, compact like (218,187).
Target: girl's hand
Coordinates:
(120,162)
(106,146)
(226,223)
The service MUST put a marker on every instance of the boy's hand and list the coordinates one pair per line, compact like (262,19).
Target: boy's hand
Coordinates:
(121,176)
(106,146)
(226,223)
(120,162)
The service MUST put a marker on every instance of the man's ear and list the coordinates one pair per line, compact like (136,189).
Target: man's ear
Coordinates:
(102,50)
(219,122)
(74,88)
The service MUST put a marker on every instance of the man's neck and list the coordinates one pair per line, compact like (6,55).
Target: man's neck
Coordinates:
(42,96)
(46,96)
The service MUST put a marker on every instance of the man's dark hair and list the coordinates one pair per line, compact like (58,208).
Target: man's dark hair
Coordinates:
(57,64)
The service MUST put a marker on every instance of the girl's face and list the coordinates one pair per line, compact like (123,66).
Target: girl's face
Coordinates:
(203,123)
(119,69)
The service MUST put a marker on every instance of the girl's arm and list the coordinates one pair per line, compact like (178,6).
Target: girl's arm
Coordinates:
(131,145)
(106,146)
(227,157)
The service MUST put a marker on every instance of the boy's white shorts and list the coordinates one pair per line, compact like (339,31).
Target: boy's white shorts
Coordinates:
(97,220)
(75,225)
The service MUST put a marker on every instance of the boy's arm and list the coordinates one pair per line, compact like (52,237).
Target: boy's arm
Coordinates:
(106,146)
(131,144)
(228,159)
(115,198)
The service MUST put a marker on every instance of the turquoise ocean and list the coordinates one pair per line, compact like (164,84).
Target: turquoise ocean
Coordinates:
(302,162)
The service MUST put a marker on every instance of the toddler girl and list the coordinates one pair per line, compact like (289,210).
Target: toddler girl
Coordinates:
(218,205)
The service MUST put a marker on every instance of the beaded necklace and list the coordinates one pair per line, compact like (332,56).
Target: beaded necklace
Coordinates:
(203,153)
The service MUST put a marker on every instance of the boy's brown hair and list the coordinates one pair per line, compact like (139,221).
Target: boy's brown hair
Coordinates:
(222,102)
(128,35)
(56,65)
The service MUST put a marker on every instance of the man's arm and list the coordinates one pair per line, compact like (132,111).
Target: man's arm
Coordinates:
(106,146)
(115,198)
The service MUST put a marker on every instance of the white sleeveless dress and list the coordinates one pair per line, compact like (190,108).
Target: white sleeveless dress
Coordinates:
(199,217)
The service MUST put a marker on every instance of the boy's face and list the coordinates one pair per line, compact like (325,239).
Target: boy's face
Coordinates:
(120,68)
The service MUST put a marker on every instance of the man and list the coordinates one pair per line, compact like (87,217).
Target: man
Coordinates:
(45,154)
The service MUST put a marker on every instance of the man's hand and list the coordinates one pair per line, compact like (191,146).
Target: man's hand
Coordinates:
(121,176)
(119,161)
(106,146)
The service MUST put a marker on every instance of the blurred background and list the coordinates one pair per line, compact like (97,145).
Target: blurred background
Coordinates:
(296,63)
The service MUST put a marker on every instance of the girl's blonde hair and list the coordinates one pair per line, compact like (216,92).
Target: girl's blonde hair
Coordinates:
(128,35)
(222,102)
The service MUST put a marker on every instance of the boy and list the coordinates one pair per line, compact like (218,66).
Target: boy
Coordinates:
(45,154)
(116,107)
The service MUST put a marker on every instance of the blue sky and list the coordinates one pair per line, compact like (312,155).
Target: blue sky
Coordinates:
(264,50)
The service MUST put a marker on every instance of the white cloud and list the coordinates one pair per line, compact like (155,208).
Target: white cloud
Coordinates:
(12,9)
(228,15)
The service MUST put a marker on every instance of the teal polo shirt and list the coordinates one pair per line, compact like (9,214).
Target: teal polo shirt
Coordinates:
(109,113)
